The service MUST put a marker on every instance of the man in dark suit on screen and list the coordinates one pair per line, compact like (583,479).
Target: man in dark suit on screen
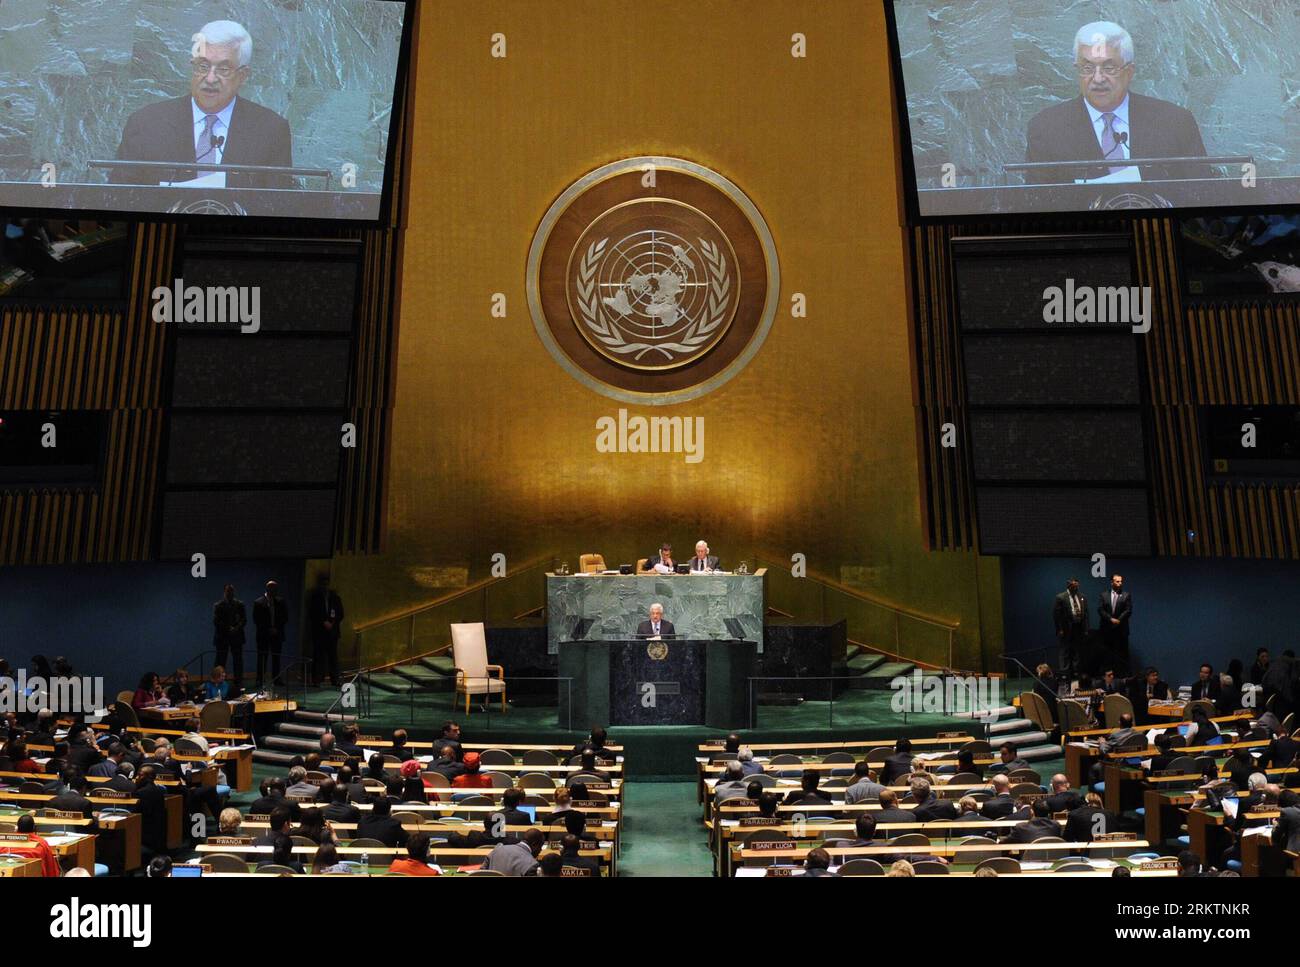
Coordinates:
(210,125)
(657,624)
(1108,122)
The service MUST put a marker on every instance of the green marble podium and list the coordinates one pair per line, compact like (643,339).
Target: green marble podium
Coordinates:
(697,604)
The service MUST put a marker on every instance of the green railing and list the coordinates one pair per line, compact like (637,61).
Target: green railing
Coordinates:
(396,638)
(880,625)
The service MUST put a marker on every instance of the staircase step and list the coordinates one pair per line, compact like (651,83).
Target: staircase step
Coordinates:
(1023,739)
(306,715)
(1005,727)
(390,682)
(423,679)
(883,674)
(442,664)
(864,662)
(293,744)
(300,728)
(1037,753)
(416,672)
(271,757)
(1003,712)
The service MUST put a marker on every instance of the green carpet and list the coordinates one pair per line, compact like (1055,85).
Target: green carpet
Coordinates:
(662,832)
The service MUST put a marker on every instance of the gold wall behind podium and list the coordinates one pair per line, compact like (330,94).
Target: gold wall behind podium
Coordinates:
(811,449)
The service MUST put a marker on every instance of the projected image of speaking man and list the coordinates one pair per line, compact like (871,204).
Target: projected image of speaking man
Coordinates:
(1110,122)
(211,124)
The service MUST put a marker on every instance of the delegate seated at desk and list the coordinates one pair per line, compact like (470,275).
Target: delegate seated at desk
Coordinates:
(662,562)
(657,624)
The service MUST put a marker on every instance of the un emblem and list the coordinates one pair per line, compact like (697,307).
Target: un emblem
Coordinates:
(653,280)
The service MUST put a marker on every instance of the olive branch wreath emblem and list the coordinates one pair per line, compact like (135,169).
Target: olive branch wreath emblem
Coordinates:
(696,335)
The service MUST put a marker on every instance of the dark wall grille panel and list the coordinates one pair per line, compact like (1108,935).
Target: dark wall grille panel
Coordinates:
(1071,522)
(255,372)
(306,297)
(246,448)
(1070,369)
(1008,293)
(1229,352)
(1058,446)
(248,524)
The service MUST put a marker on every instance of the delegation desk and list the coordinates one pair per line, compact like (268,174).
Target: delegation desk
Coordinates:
(459,855)
(20,866)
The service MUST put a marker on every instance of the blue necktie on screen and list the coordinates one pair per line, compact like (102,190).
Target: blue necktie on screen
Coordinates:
(208,156)
(1108,143)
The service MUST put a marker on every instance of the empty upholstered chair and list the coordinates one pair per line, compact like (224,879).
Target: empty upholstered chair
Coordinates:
(845,757)
(1073,866)
(407,818)
(1184,764)
(536,780)
(591,563)
(473,673)
(495,757)
(929,868)
(910,839)
(787,759)
(540,757)
(1115,706)
(1042,855)
(1035,709)
(1025,775)
(215,715)
(1073,715)
(225,863)
(764,836)
(862,866)
(126,714)
(979,856)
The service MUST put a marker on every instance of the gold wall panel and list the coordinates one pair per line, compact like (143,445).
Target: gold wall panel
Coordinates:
(812,448)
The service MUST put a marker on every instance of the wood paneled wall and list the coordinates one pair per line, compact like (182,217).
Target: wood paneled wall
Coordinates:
(113,358)
(1218,353)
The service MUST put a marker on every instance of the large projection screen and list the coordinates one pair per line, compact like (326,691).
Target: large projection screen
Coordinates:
(1023,106)
(273,108)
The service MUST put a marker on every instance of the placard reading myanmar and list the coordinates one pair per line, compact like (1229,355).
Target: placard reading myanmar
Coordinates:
(653,280)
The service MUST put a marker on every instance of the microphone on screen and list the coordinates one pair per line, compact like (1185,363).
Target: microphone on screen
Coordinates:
(220,142)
